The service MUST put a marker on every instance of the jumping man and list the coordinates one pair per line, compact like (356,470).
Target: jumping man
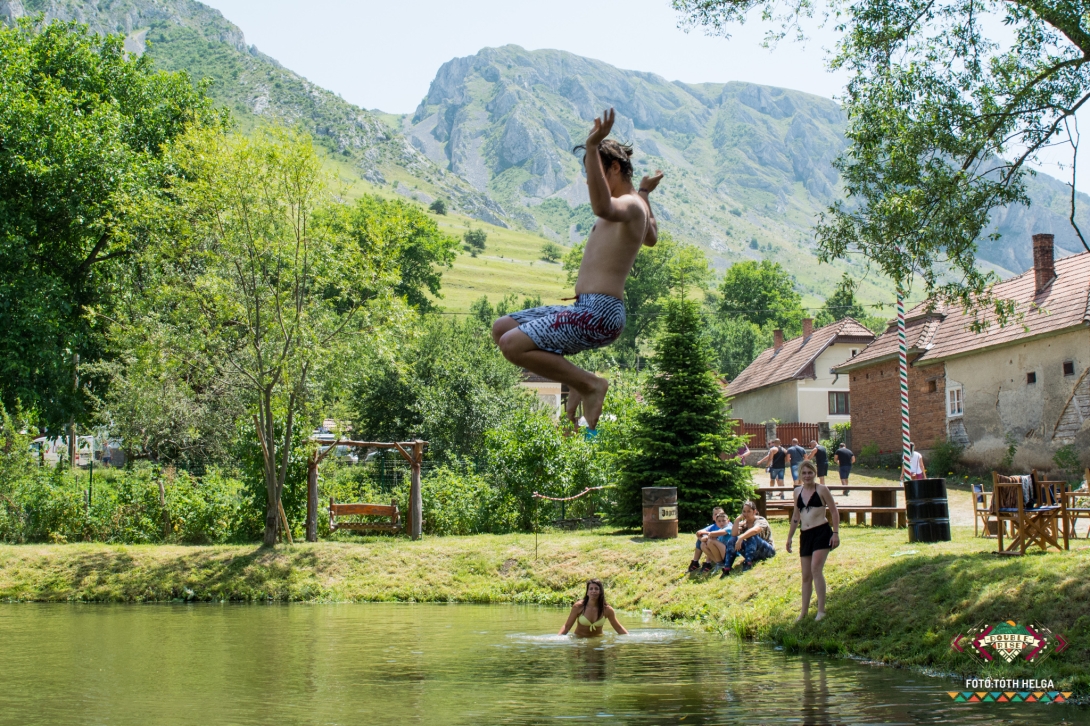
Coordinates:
(539,338)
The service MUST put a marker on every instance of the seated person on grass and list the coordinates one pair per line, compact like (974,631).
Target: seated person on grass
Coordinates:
(752,540)
(695,564)
(713,542)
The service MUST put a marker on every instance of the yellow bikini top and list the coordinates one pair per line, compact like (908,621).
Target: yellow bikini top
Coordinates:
(593,626)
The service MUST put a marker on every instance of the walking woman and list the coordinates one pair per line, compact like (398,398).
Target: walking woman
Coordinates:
(590,614)
(818,536)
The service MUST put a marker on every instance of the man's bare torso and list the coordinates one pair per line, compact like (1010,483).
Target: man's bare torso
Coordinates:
(611,250)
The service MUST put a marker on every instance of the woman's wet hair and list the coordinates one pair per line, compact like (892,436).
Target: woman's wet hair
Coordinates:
(601,596)
(609,151)
(808,464)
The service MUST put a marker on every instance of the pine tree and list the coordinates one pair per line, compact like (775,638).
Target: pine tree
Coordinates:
(682,430)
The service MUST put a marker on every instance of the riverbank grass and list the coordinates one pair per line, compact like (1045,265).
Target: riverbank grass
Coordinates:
(889,601)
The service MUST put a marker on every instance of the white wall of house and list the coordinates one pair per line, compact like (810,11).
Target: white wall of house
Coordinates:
(548,391)
(780,402)
(999,402)
(813,394)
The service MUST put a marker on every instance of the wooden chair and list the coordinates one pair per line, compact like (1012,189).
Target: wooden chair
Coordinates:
(1008,507)
(1052,502)
(1078,505)
(982,513)
(364,510)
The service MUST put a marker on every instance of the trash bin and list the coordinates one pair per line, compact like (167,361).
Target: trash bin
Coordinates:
(660,512)
(927,510)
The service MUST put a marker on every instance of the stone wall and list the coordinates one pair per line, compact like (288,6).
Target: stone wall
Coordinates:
(876,406)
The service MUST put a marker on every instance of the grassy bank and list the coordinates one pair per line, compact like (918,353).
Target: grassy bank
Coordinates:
(889,601)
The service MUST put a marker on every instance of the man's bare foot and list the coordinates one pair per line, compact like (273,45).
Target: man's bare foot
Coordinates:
(572,408)
(820,616)
(593,401)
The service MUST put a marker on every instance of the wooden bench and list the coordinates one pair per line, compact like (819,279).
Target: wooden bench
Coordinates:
(364,510)
(882,508)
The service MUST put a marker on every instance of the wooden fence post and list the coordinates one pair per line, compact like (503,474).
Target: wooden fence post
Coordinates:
(312,498)
(416,506)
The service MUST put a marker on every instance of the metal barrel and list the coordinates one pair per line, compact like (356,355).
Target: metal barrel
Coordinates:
(927,510)
(660,512)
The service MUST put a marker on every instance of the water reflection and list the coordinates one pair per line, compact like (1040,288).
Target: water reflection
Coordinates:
(361,664)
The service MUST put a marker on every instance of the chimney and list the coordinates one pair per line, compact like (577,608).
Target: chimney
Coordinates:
(1044,267)
(807,327)
(777,339)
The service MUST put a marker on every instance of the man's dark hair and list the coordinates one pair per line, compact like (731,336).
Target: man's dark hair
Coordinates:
(609,151)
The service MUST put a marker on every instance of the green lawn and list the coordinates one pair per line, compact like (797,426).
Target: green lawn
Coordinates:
(889,601)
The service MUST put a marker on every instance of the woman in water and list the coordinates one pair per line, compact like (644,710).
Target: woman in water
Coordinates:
(590,614)
(818,536)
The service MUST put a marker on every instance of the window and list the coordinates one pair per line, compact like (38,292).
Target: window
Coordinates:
(1069,368)
(932,386)
(838,404)
(855,352)
(954,402)
(1031,377)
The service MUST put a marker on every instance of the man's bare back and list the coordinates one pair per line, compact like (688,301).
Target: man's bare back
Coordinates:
(538,339)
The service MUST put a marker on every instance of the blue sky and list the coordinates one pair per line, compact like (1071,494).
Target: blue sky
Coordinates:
(384,54)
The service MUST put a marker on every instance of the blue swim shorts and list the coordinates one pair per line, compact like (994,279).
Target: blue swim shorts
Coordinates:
(593,321)
(775,473)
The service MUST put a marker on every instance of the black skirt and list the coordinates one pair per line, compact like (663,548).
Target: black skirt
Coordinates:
(818,538)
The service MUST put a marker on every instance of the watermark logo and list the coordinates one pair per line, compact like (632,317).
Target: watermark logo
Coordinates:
(1009,642)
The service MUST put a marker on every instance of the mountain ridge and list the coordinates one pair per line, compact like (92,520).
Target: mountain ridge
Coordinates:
(748,166)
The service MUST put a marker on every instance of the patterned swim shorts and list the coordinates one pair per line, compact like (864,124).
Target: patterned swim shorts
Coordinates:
(593,321)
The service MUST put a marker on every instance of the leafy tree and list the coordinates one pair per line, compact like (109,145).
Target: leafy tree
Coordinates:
(735,343)
(438,206)
(83,130)
(551,252)
(658,271)
(680,434)
(947,103)
(421,249)
(476,238)
(762,293)
(447,386)
(259,281)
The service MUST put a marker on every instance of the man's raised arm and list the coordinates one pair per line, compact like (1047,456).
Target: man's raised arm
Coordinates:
(647,185)
(602,202)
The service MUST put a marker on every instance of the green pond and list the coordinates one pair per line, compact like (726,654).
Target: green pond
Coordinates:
(444,664)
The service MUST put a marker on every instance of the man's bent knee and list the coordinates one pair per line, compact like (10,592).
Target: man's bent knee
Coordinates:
(501,326)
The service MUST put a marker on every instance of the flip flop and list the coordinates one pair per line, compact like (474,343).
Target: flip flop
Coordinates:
(591,434)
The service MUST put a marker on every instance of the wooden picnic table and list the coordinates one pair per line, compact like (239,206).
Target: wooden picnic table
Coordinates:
(883,503)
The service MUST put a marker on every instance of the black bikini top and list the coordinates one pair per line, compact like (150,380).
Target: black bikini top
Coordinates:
(812,502)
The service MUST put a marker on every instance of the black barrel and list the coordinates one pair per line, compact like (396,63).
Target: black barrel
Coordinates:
(927,510)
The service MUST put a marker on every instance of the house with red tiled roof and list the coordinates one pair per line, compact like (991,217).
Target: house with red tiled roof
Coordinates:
(1024,384)
(793,382)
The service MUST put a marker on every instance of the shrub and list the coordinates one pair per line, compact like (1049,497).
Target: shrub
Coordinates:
(945,457)
(1066,460)
(476,238)
(438,206)
(551,252)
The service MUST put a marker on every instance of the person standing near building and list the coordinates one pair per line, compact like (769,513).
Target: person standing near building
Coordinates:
(797,455)
(820,456)
(916,468)
(844,458)
(777,461)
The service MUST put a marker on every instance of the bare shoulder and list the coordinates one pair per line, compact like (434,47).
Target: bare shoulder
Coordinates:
(578,605)
(825,493)
(609,611)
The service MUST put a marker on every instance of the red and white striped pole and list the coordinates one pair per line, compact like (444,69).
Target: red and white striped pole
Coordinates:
(902,365)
